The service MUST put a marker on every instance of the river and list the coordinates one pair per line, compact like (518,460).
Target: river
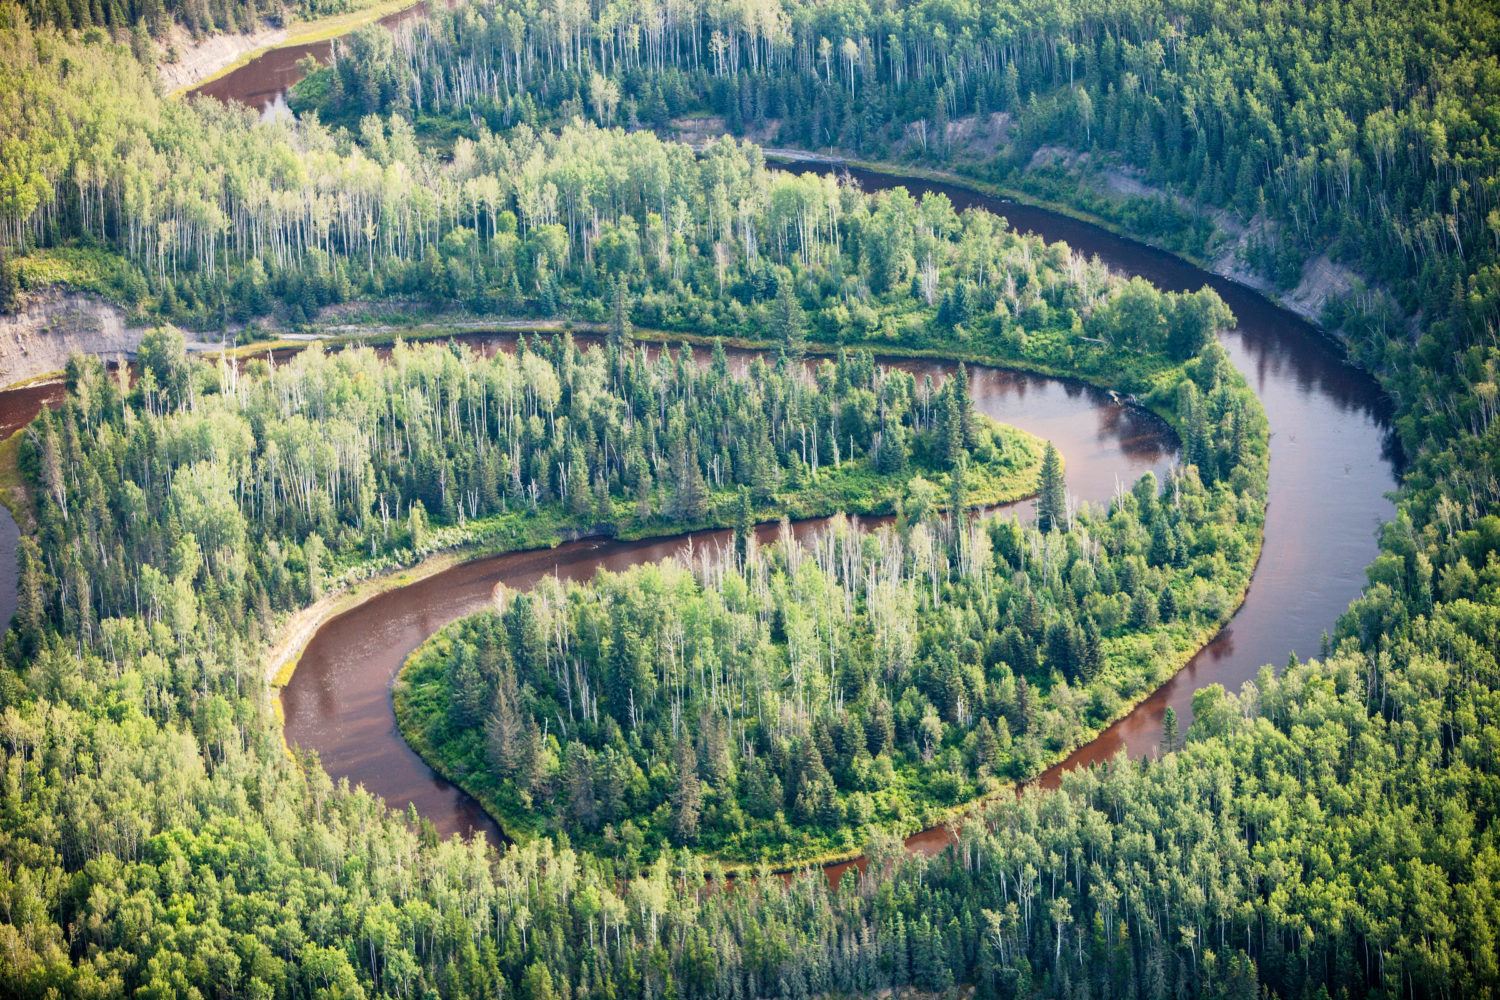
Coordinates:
(338,701)
(1334,458)
(1333,461)
(262,82)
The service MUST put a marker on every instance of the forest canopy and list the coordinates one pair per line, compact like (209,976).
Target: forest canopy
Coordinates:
(1327,830)
(1359,130)
(608,226)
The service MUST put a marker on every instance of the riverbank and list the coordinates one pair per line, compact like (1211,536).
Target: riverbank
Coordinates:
(1326,413)
(298,630)
(55,324)
(15,492)
(847,489)
(219,55)
(1166,649)
(1306,300)
(912,831)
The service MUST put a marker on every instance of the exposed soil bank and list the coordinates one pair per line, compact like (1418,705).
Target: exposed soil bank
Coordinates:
(197,61)
(56,325)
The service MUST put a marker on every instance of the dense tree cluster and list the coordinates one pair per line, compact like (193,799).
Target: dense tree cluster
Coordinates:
(145,18)
(327,462)
(1364,129)
(175,515)
(778,702)
(299,218)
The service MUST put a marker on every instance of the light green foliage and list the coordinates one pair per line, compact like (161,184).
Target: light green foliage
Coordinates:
(339,464)
(1328,831)
(610,226)
(1319,128)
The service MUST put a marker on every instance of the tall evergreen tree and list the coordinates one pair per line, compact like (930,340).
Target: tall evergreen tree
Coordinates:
(619,315)
(1171,737)
(10,294)
(1052,498)
(788,323)
(687,796)
(744,521)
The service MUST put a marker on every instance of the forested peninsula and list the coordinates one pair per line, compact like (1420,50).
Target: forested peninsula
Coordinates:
(597,171)
(860,681)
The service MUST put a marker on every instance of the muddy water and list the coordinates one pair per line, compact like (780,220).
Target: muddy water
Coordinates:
(262,82)
(338,701)
(19,406)
(1333,460)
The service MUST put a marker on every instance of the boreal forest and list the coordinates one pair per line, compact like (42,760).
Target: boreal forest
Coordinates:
(702,500)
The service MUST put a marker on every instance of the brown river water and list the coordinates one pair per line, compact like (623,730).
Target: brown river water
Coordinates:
(1333,460)
(262,82)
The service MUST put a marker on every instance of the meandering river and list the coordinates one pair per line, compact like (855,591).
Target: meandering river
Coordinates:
(1334,458)
(1333,461)
(338,701)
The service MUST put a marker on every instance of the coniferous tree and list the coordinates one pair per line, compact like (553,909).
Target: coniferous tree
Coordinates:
(31,607)
(744,522)
(1171,737)
(788,323)
(10,294)
(687,797)
(619,315)
(1052,500)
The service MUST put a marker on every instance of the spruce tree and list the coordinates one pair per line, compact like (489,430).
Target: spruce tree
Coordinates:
(788,322)
(10,293)
(619,316)
(1052,500)
(964,404)
(958,493)
(744,522)
(1170,738)
(687,797)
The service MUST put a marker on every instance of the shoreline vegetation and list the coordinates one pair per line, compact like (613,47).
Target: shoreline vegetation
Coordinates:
(977,184)
(304,32)
(409,722)
(1011,360)
(504,534)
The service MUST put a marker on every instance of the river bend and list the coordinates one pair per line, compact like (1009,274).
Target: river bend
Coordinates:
(1333,462)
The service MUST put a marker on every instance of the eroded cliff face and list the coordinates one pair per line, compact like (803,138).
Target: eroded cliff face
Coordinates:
(197,61)
(57,323)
